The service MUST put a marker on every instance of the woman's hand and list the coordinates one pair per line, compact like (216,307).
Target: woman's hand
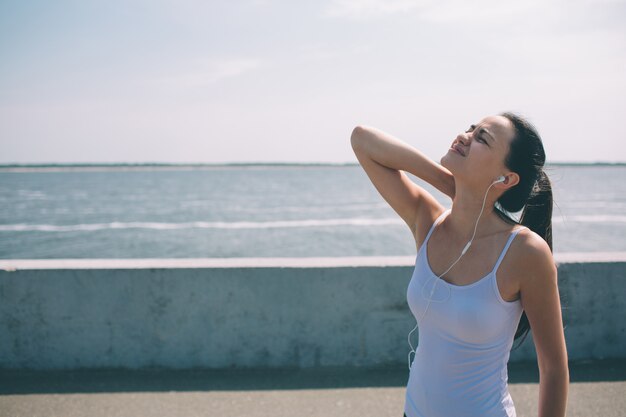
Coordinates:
(393,153)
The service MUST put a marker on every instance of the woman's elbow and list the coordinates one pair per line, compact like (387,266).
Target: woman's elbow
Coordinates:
(557,373)
(356,136)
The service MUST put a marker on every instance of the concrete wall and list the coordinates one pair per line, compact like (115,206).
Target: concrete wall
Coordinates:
(216,313)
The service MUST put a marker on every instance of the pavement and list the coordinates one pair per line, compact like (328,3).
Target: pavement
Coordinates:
(596,388)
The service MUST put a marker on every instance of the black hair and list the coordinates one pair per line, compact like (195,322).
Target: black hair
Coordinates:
(533,193)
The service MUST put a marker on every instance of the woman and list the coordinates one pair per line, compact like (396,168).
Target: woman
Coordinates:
(469,316)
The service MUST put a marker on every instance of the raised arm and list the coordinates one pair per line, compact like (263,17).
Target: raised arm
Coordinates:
(384,157)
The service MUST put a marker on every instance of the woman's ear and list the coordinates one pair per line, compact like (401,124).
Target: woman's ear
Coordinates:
(511,179)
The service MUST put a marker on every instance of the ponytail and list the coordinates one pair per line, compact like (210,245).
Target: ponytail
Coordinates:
(537,216)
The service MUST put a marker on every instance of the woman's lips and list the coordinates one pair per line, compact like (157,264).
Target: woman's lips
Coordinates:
(457,150)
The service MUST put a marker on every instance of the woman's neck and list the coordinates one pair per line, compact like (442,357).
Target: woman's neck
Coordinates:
(466,207)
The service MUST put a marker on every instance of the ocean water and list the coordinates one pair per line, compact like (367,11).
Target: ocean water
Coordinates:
(258,211)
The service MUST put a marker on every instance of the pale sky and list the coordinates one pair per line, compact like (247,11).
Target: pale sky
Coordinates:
(286,81)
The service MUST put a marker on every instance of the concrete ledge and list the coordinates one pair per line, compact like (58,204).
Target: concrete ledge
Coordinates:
(257,312)
(186,263)
(328,262)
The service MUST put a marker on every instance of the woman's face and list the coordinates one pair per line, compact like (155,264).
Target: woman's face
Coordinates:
(482,149)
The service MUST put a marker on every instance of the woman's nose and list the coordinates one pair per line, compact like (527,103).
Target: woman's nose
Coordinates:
(463,138)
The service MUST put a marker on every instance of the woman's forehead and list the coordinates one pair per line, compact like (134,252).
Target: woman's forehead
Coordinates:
(499,126)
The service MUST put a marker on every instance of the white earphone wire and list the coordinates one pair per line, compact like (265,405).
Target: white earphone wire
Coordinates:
(501,179)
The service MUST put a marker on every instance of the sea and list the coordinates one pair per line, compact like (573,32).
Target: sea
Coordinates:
(257,210)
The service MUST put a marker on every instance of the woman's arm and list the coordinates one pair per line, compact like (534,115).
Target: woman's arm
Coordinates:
(384,159)
(396,154)
(540,300)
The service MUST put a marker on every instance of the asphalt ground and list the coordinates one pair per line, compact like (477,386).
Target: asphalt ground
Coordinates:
(597,388)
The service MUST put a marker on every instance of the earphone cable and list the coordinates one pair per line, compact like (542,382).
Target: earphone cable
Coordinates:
(437,279)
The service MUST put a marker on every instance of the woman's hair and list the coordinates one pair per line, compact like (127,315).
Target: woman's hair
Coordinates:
(533,193)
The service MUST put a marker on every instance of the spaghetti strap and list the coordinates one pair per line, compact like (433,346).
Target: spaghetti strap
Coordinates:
(432,227)
(506,247)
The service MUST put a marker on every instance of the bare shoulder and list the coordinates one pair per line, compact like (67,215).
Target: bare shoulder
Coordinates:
(534,259)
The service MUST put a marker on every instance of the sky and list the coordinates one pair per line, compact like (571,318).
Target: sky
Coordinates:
(186,81)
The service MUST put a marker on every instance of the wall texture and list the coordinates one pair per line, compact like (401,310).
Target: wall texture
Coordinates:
(185,313)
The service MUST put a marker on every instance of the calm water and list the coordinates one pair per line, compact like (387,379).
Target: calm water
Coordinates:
(258,211)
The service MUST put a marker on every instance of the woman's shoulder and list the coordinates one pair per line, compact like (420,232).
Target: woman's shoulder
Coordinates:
(530,240)
(532,251)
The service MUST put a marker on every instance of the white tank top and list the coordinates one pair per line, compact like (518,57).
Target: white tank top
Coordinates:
(460,364)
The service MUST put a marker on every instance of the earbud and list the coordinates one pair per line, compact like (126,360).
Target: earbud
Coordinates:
(501,178)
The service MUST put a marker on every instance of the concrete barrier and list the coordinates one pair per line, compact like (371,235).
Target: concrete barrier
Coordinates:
(263,312)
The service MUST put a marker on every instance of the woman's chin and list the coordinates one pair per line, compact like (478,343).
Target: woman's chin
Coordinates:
(447,164)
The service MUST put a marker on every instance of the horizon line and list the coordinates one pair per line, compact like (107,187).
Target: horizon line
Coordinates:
(232,164)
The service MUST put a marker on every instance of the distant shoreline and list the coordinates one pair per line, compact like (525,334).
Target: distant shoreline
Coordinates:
(190,166)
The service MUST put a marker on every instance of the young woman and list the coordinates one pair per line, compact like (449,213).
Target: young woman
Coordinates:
(469,316)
